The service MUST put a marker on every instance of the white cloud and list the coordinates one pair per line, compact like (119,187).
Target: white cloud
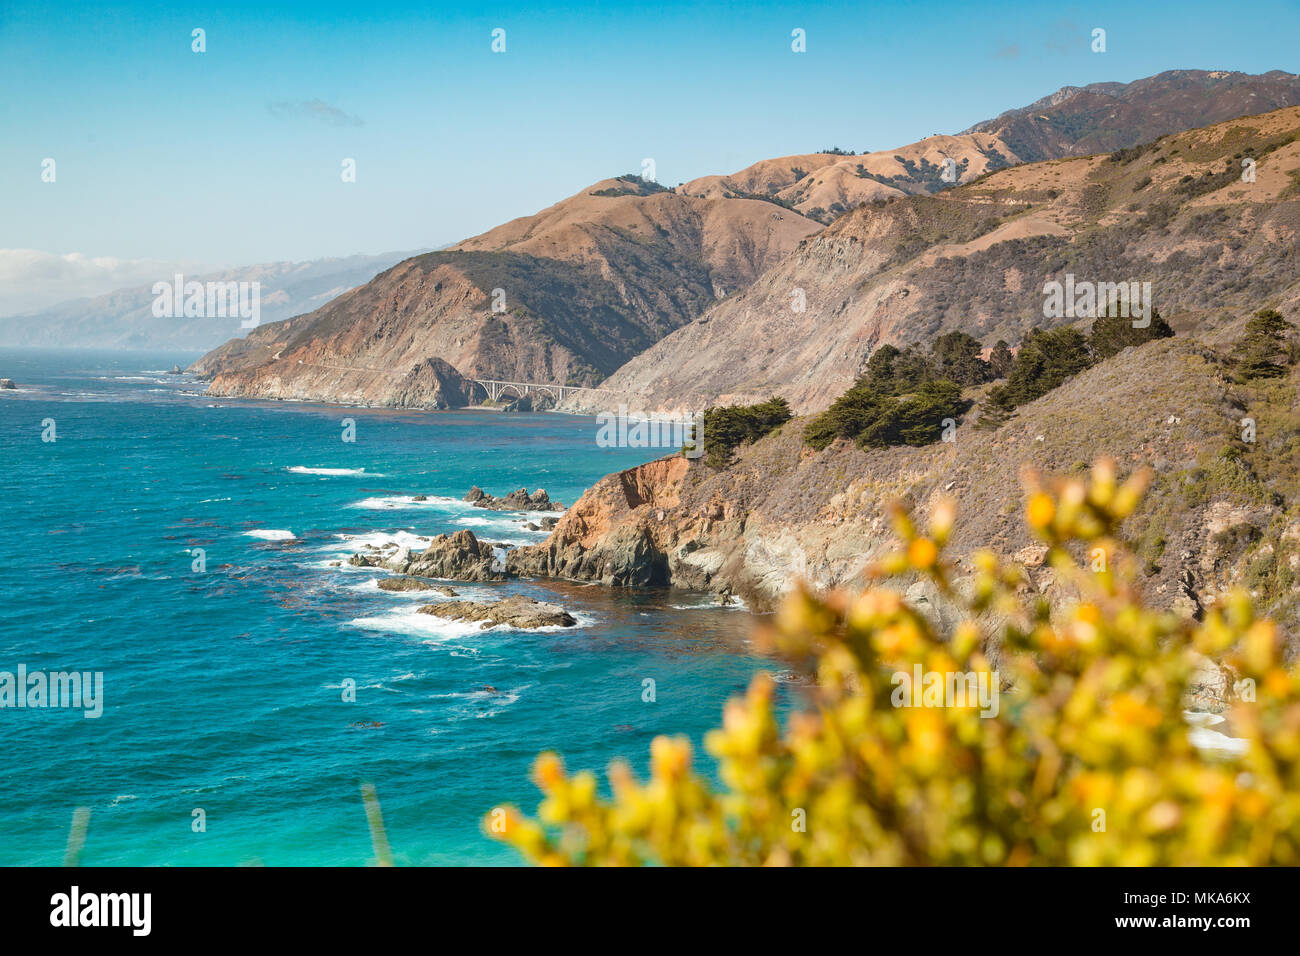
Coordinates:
(31,280)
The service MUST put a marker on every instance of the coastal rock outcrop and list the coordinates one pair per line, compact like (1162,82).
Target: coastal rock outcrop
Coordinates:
(519,500)
(515,611)
(456,557)
(611,535)
(7,383)
(434,383)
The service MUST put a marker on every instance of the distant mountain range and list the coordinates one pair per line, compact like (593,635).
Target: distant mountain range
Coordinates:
(585,289)
(124,319)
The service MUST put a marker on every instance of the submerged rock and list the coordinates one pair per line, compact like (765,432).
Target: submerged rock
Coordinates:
(404,584)
(539,402)
(517,611)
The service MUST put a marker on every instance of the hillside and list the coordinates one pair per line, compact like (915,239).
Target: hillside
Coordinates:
(587,284)
(1175,213)
(823,186)
(124,319)
(1220,512)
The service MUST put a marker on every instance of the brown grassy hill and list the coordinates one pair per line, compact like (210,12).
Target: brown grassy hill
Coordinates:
(588,283)
(1073,121)
(1175,213)
(826,185)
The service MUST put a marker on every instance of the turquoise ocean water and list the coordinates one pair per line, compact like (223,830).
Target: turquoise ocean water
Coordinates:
(222,688)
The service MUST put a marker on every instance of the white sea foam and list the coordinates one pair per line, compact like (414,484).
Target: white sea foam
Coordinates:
(357,542)
(501,526)
(436,630)
(403,502)
(266,534)
(332,472)
(412,623)
(712,605)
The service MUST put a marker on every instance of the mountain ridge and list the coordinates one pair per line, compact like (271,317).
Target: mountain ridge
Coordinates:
(975,258)
(596,282)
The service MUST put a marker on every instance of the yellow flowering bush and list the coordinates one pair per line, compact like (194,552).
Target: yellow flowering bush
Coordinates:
(1086,759)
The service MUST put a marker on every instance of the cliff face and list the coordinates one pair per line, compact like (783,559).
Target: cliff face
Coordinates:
(562,297)
(782,512)
(1176,214)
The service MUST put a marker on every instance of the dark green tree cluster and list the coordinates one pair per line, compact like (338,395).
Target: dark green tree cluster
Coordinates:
(1265,349)
(875,420)
(904,395)
(1111,334)
(729,426)
(954,357)
(1049,358)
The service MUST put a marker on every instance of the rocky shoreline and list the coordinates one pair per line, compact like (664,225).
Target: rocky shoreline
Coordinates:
(781,513)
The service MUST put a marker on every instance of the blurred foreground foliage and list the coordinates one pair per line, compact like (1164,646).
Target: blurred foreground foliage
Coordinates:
(1087,761)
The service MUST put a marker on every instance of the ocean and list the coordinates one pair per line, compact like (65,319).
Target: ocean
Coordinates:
(223,686)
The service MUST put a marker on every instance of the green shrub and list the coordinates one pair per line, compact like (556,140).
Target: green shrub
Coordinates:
(729,426)
(873,418)
(1262,351)
(1111,334)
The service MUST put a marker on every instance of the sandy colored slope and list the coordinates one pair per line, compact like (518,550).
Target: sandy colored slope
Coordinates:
(826,184)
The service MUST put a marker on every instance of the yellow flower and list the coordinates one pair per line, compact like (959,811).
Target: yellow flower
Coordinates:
(1040,510)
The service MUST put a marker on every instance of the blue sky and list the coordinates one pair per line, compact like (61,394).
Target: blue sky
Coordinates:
(233,156)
